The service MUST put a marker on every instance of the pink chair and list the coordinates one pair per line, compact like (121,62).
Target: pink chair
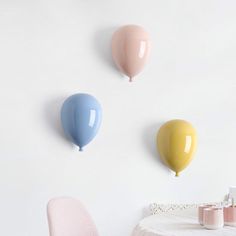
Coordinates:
(68,217)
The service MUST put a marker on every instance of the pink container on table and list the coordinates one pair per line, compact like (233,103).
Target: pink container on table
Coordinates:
(213,218)
(230,215)
(200,212)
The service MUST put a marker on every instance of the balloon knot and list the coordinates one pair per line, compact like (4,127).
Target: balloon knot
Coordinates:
(81,149)
(130,79)
(177,174)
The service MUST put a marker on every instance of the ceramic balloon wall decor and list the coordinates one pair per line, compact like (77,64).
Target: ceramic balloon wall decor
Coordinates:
(130,49)
(176,143)
(81,116)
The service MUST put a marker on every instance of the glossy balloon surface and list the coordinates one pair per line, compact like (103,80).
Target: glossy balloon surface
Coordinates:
(130,49)
(176,143)
(81,116)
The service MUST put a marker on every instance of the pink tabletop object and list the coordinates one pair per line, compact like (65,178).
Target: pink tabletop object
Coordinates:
(130,49)
(200,212)
(68,217)
(230,215)
(213,218)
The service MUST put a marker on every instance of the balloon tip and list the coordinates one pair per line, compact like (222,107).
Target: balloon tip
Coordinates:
(177,174)
(130,79)
(81,149)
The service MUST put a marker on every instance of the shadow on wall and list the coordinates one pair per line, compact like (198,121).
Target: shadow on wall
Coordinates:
(102,45)
(52,114)
(149,140)
(146,212)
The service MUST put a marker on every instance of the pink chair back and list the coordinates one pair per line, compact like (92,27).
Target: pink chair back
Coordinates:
(68,217)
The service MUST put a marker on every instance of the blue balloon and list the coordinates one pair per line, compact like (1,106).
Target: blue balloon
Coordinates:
(81,116)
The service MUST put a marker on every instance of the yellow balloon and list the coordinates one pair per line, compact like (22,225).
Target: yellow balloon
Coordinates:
(176,142)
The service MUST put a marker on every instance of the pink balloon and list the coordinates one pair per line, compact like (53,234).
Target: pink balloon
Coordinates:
(130,49)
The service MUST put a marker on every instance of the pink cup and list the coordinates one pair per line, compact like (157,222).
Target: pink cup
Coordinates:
(230,216)
(213,218)
(200,212)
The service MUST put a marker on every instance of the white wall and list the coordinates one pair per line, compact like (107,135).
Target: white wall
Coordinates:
(50,49)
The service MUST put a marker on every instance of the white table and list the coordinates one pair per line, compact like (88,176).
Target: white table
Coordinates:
(177,224)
